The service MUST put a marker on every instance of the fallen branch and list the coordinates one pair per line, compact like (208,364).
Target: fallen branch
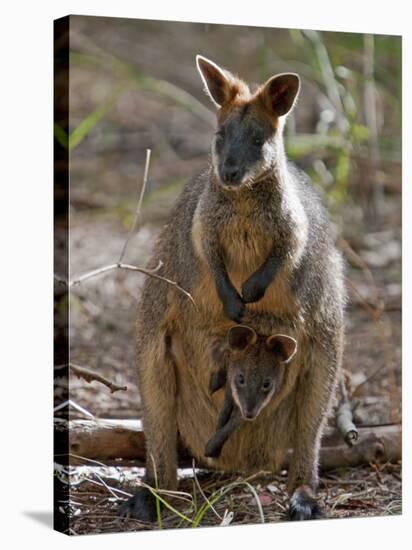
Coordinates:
(90,375)
(344,415)
(109,440)
(344,423)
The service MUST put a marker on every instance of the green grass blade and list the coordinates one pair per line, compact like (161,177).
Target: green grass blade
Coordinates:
(92,119)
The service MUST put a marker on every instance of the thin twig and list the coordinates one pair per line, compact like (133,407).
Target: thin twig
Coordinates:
(128,267)
(203,494)
(139,205)
(110,489)
(90,375)
(152,273)
(71,403)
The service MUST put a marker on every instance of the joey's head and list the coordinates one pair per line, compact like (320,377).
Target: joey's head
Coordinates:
(256,367)
(247,143)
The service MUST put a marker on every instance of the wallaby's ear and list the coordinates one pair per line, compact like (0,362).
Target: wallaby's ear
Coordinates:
(283,346)
(280,92)
(216,80)
(240,337)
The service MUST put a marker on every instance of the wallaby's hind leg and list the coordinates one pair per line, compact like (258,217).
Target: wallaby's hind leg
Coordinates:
(228,421)
(157,386)
(215,444)
(313,397)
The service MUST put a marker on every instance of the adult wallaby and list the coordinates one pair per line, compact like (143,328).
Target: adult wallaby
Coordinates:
(250,229)
(252,369)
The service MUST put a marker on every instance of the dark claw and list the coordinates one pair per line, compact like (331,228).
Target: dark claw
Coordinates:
(141,506)
(234,309)
(304,506)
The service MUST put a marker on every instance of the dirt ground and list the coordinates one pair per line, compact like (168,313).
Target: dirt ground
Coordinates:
(106,171)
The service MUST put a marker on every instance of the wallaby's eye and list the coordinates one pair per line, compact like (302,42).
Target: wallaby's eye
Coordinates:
(267,384)
(258,141)
(240,379)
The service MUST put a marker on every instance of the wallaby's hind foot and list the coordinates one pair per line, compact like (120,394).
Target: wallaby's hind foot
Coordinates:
(142,506)
(213,448)
(303,505)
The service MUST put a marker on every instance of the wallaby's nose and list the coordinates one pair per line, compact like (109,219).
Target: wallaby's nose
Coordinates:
(230,173)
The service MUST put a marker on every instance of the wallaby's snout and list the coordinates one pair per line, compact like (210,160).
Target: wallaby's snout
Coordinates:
(231,172)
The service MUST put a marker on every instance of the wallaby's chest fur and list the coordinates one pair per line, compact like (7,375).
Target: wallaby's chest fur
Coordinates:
(246,242)
(246,230)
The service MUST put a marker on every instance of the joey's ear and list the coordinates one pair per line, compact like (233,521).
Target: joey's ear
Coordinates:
(280,92)
(283,346)
(240,337)
(217,81)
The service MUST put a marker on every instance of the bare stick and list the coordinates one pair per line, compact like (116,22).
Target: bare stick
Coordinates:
(344,415)
(90,375)
(344,422)
(111,267)
(139,205)
(150,272)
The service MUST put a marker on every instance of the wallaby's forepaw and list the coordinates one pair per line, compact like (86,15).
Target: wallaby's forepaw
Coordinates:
(142,506)
(234,308)
(303,505)
(253,290)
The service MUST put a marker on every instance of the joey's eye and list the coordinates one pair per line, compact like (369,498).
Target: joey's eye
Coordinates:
(267,384)
(258,141)
(220,134)
(240,379)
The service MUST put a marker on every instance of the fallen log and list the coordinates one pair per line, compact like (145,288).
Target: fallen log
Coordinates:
(110,440)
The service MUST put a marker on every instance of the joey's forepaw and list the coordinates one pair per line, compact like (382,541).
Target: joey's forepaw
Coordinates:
(303,505)
(252,291)
(141,506)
